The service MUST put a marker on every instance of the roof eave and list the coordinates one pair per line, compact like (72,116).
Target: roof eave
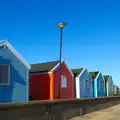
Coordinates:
(4,42)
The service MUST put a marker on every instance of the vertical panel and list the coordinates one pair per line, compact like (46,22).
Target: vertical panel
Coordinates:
(77,87)
(96,88)
(51,86)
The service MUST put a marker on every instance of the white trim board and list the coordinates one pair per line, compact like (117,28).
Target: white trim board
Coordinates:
(4,42)
(81,72)
(107,89)
(108,77)
(101,75)
(98,75)
(77,87)
(58,66)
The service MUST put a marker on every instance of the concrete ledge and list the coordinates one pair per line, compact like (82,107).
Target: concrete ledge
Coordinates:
(54,110)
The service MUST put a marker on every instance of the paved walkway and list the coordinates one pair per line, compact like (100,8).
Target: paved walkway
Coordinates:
(111,113)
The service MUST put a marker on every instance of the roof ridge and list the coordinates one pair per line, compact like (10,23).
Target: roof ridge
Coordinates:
(47,66)
(94,71)
(76,68)
(77,71)
(106,75)
(94,74)
(45,62)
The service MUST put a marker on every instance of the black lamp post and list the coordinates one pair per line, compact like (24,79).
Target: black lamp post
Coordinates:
(61,25)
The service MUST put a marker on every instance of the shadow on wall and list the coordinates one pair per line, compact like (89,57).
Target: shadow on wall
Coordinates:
(6,91)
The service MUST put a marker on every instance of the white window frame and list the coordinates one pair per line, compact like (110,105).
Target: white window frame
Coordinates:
(63,81)
(85,84)
(8,83)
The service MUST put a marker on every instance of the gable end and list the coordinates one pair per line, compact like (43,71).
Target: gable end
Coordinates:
(5,43)
(57,66)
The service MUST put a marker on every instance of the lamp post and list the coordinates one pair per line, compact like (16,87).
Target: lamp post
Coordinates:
(61,25)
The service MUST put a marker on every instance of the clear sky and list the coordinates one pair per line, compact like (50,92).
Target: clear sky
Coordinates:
(91,39)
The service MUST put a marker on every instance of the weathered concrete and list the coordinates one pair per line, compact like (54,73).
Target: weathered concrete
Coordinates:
(111,113)
(56,109)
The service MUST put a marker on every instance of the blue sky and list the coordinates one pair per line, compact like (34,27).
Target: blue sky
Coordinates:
(91,38)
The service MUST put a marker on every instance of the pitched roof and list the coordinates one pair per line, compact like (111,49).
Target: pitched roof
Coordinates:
(77,71)
(43,67)
(94,74)
(9,46)
(106,77)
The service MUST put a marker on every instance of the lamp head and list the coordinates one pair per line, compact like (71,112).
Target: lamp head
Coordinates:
(61,25)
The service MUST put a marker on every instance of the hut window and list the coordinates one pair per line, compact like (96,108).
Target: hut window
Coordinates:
(4,74)
(100,84)
(64,81)
(86,83)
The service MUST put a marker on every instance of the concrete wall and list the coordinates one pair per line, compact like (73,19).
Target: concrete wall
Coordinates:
(54,110)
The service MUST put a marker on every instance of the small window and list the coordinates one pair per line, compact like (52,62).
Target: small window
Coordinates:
(100,84)
(4,74)
(64,81)
(86,83)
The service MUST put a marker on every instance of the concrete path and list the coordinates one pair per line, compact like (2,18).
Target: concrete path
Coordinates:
(111,113)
